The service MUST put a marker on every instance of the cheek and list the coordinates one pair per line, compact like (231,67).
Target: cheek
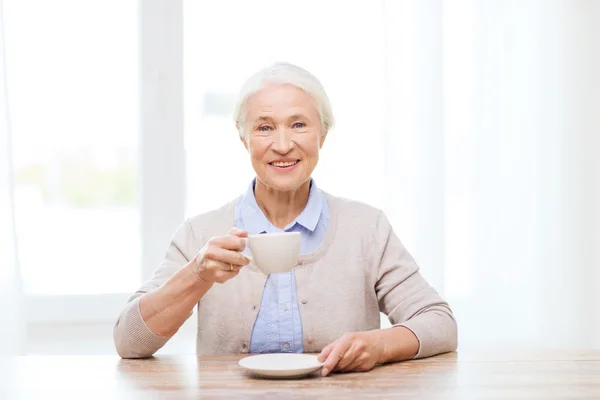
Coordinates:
(257,148)
(312,148)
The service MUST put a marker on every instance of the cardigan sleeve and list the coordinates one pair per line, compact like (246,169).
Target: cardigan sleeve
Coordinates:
(131,335)
(406,297)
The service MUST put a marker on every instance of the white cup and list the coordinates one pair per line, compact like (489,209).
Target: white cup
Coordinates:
(274,252)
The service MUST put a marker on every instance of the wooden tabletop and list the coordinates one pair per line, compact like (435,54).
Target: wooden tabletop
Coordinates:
(542,375)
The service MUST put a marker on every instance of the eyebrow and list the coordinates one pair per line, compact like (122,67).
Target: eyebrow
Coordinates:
(298,116)
(263,119)
(290,118)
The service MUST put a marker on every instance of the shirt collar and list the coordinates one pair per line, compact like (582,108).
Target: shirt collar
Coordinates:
(309,217)
(256,222)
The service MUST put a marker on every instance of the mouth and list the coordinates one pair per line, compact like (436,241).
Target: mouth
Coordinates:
(284,164)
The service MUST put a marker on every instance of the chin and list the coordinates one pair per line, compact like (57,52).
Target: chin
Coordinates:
(285,184)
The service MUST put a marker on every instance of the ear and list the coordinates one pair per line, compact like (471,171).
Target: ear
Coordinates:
(244,142)
(322,139)
(241,135)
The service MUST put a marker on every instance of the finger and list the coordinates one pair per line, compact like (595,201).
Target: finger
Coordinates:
(238,232)
(218,266)
(357,364)
(223,276)
(216,271)
(354,365)
(226,256)
(325,352)
(340,348)
(348,358)
(361,364)
(229,242)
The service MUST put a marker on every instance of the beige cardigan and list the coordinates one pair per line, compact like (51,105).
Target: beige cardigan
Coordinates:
(360,269)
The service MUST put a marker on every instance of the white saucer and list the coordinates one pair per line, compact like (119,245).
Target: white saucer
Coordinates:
(281,365)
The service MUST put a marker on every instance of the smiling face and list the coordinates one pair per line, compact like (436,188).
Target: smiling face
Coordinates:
(283,133)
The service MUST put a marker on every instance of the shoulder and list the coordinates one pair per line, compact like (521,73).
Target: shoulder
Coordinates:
(361,226)
(356,213)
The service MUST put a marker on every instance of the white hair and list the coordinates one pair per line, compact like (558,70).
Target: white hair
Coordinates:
(285,73)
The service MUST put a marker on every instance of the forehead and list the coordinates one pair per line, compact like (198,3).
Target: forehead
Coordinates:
(280,99)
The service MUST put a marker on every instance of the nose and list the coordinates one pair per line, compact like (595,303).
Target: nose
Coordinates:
(283,142)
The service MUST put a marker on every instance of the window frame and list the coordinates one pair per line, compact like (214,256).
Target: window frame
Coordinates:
(161,161)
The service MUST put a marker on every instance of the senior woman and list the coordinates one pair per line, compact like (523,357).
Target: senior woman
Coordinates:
(352,264)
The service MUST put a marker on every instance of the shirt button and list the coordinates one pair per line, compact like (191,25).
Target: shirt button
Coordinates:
(286,346)
(254,307)
(284,308)
(304,301)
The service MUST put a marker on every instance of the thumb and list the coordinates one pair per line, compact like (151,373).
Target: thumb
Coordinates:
(325,352)
(238,232)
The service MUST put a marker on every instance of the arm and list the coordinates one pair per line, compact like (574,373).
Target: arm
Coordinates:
(156,311)
(410,302)
(165,309)
(132,336)
(361,351)
(423,324)
(150,320)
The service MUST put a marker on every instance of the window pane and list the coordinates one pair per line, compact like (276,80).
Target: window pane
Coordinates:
(226,41)
(73,92)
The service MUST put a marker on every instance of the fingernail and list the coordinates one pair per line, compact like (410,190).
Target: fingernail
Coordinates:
(324,372)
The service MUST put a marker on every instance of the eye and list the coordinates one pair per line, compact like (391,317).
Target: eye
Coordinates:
(299,125)
(264,128)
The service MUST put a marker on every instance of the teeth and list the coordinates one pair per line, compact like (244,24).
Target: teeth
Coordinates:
(284,164)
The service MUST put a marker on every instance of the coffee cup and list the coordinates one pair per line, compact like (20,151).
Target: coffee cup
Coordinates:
(273,252)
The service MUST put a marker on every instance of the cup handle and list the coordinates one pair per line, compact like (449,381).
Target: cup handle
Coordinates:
(248,256)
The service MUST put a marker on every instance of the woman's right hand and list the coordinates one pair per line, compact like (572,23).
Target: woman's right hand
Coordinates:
(221,258)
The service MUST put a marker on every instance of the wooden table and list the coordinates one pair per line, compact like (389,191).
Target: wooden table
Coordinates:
(543,375)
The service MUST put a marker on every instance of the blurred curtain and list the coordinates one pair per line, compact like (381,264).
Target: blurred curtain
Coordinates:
(11,333)
(493,162)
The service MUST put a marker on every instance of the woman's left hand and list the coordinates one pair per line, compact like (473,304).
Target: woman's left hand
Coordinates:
(357,351)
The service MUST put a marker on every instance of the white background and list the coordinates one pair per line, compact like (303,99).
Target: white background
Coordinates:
(473,124)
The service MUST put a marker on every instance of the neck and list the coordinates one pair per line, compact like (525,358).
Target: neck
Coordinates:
(281,208)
